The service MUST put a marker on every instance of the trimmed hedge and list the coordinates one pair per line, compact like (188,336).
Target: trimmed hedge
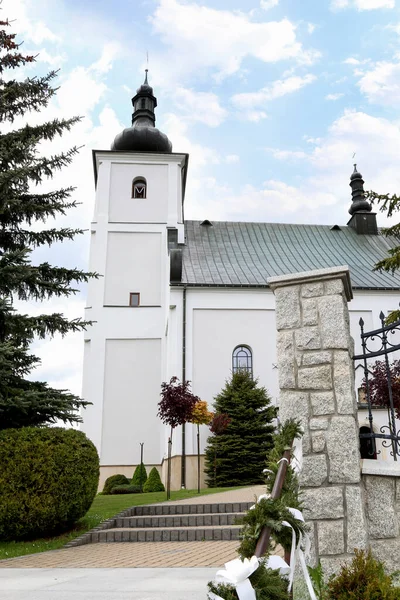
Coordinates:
(112,481)
(153,483)
(126,489)
(140,470)
(48,480)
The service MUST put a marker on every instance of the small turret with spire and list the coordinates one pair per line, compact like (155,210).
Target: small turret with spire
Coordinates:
(143,135)
(362,219)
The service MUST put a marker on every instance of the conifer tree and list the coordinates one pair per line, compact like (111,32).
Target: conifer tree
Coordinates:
(237,454)
(140,476)
(24,210)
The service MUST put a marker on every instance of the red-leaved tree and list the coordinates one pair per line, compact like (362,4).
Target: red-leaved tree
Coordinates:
(175,408)
(378,384)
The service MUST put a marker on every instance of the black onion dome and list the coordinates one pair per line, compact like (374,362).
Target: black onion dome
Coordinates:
(141,139)
(143,135)
(360,203)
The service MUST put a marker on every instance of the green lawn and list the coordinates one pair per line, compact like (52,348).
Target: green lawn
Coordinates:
(103,507)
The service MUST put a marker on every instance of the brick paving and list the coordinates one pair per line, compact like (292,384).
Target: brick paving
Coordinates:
(139,554)
(142,554)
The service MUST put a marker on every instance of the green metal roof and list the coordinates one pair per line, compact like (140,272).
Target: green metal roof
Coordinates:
(246,254)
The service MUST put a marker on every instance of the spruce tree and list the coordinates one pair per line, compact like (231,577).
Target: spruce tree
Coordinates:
(24,210)
(237,454)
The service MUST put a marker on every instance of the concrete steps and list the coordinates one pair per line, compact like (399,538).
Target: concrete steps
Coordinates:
(170,523)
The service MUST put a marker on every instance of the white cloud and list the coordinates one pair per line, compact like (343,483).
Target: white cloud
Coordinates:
(109,54)
(311,28)
(254,115)
(54,60)
(32,29)
(277,89)
(268,4)
(328,164)
(203,107)
(232,158)
(219,40)
(287,154)
(356,61)
(334,97)
(362,4)
(381,84)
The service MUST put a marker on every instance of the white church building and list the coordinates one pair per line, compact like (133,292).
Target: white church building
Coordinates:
(190,298)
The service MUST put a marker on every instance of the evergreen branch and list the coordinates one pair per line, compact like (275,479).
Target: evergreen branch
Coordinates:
(18,208)
(36,171)
(37,282)
(17,325)
(391,263)
(19,97)
(389,203)
(16,239)
(11,60)
(35,404)
(15,145)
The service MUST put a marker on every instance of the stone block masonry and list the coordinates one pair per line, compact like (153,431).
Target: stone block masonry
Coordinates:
(316,379)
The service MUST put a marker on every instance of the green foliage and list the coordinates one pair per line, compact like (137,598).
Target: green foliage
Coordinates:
(153,483)
(139,476)
(389,204)
(364,579)
(236,455)
(114,480)
(283,439)
(268,513)
(267,584)
(318,582)
(24,208)
(48,479)
(126,489)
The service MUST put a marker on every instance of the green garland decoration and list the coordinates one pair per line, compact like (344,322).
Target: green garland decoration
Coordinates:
(267,583)
(268,513)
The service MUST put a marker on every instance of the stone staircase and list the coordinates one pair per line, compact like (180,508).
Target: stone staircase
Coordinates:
(170,523)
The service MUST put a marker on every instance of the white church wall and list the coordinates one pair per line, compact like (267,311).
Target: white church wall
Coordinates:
(133,265)
(131,393)
(124,208)
(217,318)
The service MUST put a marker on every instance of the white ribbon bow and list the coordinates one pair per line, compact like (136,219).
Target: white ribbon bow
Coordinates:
(237,573)
(297,553)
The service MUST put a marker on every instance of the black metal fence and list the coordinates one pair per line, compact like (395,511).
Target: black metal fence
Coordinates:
(377,344)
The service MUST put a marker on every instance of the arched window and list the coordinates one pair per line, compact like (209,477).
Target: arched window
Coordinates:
(367,445)
(242,359)
(143,103)
(139,187)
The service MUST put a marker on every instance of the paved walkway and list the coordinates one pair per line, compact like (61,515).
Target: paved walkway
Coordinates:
(105,584)
(141,554)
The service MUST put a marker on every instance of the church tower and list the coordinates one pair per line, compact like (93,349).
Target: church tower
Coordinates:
(138,220)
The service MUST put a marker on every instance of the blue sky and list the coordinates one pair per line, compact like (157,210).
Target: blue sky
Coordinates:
(271,99)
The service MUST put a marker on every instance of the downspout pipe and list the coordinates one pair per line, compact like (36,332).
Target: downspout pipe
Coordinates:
(183,464)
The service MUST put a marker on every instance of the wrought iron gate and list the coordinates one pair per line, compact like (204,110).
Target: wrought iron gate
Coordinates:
(380,339)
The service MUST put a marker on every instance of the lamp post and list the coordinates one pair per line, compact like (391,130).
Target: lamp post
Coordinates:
(141,462)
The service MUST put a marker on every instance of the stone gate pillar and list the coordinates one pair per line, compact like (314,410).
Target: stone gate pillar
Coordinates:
(316,381)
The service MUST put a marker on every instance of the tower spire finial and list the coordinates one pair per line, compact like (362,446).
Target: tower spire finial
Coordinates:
(357,192)
(145,78)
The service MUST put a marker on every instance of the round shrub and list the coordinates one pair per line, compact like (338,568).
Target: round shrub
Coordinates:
(48,479)
(126,489)
(114,480)
(153,483)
